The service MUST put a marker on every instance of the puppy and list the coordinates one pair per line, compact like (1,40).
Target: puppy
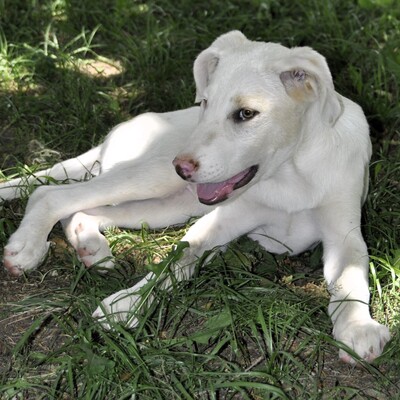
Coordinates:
(272,152)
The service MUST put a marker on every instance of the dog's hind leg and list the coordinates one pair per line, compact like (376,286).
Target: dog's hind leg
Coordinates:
(74,169)
(215,228)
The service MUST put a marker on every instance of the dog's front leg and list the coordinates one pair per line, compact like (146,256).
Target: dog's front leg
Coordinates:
(212,230)
(49,204)
(346,272)
(126,305)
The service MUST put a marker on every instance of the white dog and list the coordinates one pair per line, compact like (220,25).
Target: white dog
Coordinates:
(273,152)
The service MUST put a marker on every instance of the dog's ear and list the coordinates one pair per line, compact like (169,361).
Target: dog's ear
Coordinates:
(309,80)
(229,40)
(207,61)
(204,66)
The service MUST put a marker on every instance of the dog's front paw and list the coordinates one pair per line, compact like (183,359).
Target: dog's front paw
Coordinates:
(125,306)
(121,307)
(93,249)
(23,255)
(366,337)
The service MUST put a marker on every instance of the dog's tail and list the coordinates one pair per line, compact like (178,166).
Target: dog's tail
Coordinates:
(74,169)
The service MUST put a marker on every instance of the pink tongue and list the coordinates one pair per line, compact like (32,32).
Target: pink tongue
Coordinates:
(214,192)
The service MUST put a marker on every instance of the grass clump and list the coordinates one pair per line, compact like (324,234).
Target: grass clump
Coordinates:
(250,325)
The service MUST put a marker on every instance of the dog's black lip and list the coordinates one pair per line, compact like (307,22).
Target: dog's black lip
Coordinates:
(246,179)
(250,175)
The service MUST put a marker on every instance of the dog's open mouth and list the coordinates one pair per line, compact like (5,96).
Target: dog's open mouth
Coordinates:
(213,193)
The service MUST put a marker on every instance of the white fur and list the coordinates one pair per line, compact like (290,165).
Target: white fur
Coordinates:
(310,144)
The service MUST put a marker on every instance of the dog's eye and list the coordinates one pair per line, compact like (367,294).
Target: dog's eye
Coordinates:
(244,114)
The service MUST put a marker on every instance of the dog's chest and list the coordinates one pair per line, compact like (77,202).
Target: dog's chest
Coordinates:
(287,233)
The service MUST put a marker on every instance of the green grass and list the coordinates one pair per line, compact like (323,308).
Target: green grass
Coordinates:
(250,325)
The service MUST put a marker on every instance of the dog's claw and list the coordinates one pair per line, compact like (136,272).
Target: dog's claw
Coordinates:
(13,270)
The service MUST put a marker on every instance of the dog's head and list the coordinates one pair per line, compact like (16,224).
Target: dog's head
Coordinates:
(257,101)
